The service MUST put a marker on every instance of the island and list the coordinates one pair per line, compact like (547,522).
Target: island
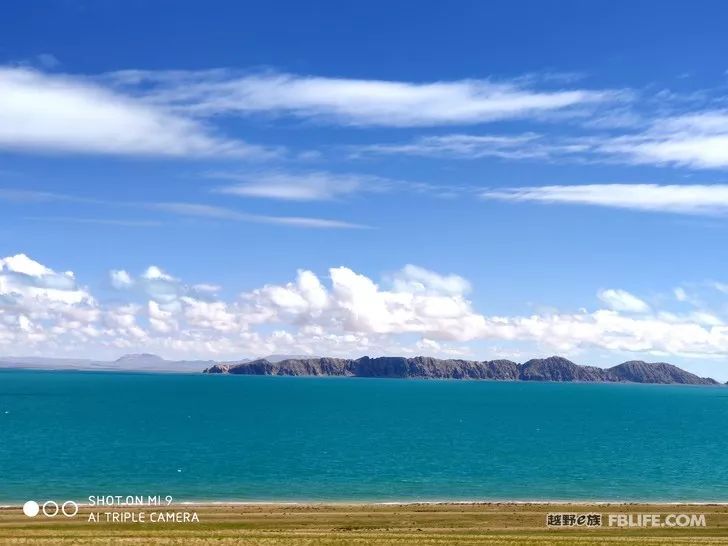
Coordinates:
(554,368)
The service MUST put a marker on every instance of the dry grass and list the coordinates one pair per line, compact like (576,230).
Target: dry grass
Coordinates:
(422,524)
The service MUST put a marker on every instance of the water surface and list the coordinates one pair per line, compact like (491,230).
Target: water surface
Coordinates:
(196,437)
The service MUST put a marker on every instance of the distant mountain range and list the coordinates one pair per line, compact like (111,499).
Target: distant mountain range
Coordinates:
(554,368)
(139,362)
(132,362)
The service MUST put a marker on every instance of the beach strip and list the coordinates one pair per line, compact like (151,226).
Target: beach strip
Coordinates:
(358,523)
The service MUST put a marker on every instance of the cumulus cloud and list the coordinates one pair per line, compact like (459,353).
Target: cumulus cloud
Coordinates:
(417,279)
(38,303)
(120,279)
(344,313)
(621,300)
(154,273)
(60,113)
(27,280)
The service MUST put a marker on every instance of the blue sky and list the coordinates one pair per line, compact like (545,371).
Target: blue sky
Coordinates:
(480,180)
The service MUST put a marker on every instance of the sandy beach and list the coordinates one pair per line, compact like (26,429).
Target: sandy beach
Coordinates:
(412,523)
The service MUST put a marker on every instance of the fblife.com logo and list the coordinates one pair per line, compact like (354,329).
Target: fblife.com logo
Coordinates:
(50,509)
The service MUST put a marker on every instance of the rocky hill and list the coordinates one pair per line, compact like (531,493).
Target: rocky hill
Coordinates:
(637,371)
(557,368)
(554,368)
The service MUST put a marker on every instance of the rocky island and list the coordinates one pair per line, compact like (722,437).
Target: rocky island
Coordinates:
(554,368)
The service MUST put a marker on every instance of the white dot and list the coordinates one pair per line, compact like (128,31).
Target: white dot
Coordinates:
(31,509)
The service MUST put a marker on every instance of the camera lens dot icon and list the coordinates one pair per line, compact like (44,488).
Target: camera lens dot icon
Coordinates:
(31,509)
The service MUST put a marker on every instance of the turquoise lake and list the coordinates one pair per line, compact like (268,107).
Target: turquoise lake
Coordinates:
(195,437)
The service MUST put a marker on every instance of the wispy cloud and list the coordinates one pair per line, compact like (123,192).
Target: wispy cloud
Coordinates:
(468,146)
(301,186)
(100,221)
(663,130)
(697,140)
(684,199)
(61,113)
(326,186)
(222,213)
(199,210)
(32,196)
(172,114)
(353,101)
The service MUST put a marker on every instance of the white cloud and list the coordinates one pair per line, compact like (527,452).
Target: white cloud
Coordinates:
(214,315)
(60,113)
(24,279)
(346,313)
(684,199)
(352,101)
(621,300)
(161,319)
(120,279)
(356,305)
(698,140)
(190,209)
(20,263)
(163,113)
(38,303)
(420,280)
(706,318)
(305,222)
(324,186)
(222,213)
(680,294)
(100,221)
(160,286)
(305,186)
(153,273)
(465,146)
(32,196)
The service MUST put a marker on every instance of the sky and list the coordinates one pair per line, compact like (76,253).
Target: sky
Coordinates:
(479,180)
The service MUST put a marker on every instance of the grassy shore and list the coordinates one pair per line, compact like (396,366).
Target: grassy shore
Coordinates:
(423,524)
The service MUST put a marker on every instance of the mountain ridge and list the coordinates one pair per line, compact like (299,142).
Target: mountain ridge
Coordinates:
(554,368)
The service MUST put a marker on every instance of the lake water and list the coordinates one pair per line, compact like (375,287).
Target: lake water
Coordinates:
(196,437)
